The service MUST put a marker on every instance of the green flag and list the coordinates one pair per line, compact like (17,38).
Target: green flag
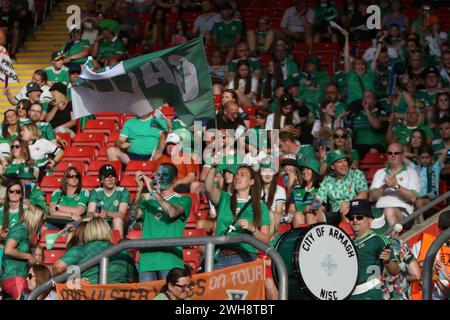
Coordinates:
(178,76)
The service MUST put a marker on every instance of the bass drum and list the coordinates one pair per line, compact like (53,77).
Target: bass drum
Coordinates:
(321,262)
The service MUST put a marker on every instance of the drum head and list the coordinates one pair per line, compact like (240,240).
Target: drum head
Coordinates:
(327,262)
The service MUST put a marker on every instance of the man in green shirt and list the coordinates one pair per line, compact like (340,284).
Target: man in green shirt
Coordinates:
(289,145)
(57,72)
(109,201)
(165,213)
(314,76)
(332,94)
(76,50)
(45,128)
(340,187)
(110,49)
(142,138)
(401,133)
(228,32)
(374,253)
(428,95)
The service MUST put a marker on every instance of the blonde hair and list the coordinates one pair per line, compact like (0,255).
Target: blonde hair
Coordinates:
(32,218)
(97,229)
(59,97)
(34,129)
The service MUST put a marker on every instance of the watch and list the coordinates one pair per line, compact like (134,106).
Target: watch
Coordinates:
(397,187)
(56,208)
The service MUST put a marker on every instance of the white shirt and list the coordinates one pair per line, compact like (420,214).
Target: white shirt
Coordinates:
(407,178)
(40,148)
(280,197)
(370,53)
(292,21)
(271,117)
(204,25)
(5,150)
(253,86)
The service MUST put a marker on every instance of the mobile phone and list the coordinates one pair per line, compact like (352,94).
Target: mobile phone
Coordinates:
(26,191)
(98,207)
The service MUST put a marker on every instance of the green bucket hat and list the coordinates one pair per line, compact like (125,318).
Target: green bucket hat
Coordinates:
(39,202)
(112,25)
(267,164)
(26,173)
(379,224)
(335,155)
(312,164)
(233,168)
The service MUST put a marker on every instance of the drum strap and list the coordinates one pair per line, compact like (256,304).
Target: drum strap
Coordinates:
(366,286)
(236,218)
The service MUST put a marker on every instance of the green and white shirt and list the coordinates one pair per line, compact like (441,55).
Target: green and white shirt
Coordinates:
(226,32)
(110,202)
(61,75)
(79,199)
(336,191)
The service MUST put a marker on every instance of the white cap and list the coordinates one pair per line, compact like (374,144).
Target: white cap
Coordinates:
(173,138)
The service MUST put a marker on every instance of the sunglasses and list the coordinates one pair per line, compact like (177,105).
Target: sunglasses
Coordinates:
(16,191)
(30,276)
(73,176)
(185,287)
(340,136)
(396,153)
(357,217)
(16,146)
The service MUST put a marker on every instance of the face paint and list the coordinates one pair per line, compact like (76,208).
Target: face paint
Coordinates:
(164,177)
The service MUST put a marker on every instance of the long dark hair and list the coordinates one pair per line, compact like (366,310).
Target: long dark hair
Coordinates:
(174,275)
(64,180)
(6,204)
(42,274)
(5,124)
(248,79)
(288,118)
(315,180)
(25,150)
(255,193)
(272,190)
(424,139)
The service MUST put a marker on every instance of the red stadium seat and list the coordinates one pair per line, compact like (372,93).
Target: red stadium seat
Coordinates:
(88,139)
(373,159)
(250,123)
(277,4)
(193,217)
(86,154)
(115,237)
(102,154)
(129,183)
(370,172)
(63,165)
(66,137)
(95,166)
(195,201)
(117,117)
(51,183)
(251,5)
(134,235)
(273,12)
(194,233)
(148,167)
(326,47)
(168,111)
(217,101)
(51,256)
(111,142)
(191,257)
(102,126)
(90,182)
(251,14)
(249,110)
(172,17)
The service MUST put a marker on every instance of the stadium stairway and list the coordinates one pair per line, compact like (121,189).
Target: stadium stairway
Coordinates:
(50,36)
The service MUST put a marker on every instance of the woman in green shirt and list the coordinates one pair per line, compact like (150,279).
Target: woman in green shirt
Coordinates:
(69,201)
(10,125)
(17,255)
(178,285)
(20,158)
(253,220)
(12,208)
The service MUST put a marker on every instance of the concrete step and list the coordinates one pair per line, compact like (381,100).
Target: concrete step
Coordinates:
(40,53)
(42,60)
(29,66)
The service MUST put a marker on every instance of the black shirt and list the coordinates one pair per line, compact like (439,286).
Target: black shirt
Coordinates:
(62,116)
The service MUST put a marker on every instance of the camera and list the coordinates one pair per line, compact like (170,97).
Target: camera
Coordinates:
(98,207)
(285,219)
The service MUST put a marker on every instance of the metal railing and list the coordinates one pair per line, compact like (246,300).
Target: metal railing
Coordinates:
(419,212)
(209,242)
(429,261)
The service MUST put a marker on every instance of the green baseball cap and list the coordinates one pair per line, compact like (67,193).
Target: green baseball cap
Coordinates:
(335,155)
(26,173)
(312,164)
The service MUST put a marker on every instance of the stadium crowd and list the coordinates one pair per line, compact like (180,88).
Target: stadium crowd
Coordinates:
(329,111)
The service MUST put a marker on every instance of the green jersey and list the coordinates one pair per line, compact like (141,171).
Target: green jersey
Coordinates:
(427,98)
(79,199)
(306,151)
(341,107)
(225,218)
(368,249)
(227,32)
(75,47)
(364,132)
(120,266)
(143,135)
(14,267)
(61,75)
(108,49)
(46,130)
(158,224)
(336,191)
(403,133)
(358,84)
(302,197)
(13,217)
(110,202)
